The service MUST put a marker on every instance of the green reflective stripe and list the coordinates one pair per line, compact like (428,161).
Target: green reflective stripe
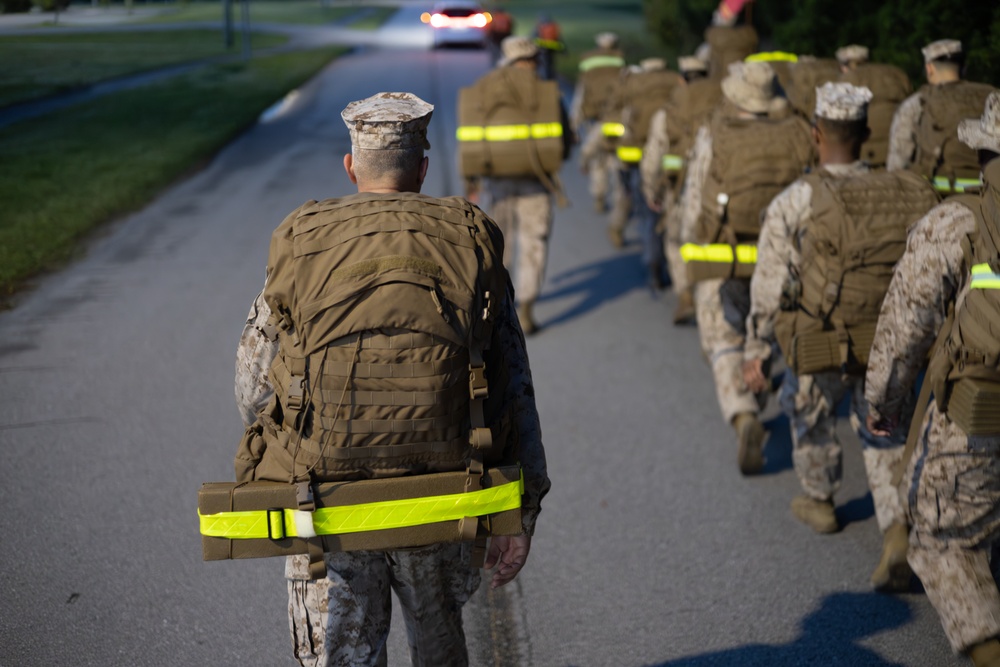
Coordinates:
(983,277)
(629,153)
(549,44)
(673,163)
(601,61)
(366,516)
(944,184)
(613,129)
(509,132)
(771,56)
(718,253)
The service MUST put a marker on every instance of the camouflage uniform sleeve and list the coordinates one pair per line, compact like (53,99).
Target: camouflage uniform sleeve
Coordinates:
(699,162)
(521,392)
(576,108)
(778,262)
(924,282)
(651,166)
(253,363)
(902,134)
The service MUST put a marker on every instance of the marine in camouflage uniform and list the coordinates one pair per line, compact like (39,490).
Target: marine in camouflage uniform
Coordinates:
(951,486)
(344,618)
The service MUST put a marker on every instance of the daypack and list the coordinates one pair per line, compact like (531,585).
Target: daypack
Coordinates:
(752,161)
(388,366)
(600,71)
(804,77)
(939,154)
(510,125)
(890,86)
(643,94)
(965,365)
(729,45)
(851,244)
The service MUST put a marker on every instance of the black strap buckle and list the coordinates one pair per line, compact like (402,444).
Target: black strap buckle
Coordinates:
(276,523)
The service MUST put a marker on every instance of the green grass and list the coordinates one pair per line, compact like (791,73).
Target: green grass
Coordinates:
(64,174)
(305,12)
(48,64)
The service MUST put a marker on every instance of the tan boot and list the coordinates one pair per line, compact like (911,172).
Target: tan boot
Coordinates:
(750,443)
(617,237)
(986,654)
(893,573)
(528,324)
(684,313)
(817,514)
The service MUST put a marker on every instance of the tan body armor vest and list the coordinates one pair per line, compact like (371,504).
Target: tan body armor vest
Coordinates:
(388,365)
(890,86)
(939,153)
(851,244)
(600,70)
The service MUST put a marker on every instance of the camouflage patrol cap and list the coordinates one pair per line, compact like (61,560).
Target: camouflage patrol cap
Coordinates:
(983,133)
(387,121)
(751,87)
(607,40)
(941,49)
(691,64)
(842,101)
(517,47)
(852,53)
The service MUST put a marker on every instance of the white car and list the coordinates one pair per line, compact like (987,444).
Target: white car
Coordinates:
(458,22)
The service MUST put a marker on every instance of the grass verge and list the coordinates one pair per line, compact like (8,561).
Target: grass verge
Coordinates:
(303,12)
(64,174)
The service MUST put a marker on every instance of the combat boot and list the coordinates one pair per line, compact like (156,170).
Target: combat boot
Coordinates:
(750,443)
(817,514)
(684,312)
(528,324)
(893,573)
(600,205)
(616,236)
(986,654)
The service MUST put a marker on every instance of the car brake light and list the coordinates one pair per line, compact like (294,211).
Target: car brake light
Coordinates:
(439,20)
(478,21)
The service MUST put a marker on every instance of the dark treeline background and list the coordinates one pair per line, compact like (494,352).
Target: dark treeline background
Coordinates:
(894,30)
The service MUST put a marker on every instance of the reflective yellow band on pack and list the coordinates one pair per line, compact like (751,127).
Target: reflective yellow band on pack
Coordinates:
(280,523)
(509,132)
(944,184)
(719,253)
(771,56)
(983,277)
(601,61)
(673,163)
(629,153)
(613,129)
(550,44)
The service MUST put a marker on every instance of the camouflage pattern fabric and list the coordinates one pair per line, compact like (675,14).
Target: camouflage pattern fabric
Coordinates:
(600,165)
(344,618)
(903,134)
(699,162)
(651,169)
(522,209)
(254,356)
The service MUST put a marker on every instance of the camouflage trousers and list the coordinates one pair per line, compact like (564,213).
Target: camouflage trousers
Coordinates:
(625,195)
(522,208)
(343,620)
(952,497)
(602,173)
(810,401)
(671,222)
(722,340)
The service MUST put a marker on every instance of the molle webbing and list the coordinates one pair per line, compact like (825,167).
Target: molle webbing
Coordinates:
(939,153)
(818,351)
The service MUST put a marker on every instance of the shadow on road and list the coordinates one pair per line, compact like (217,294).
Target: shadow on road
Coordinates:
(597,283)
(830,636)
(778,448)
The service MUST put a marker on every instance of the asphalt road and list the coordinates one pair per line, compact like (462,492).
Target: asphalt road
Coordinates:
(116,403)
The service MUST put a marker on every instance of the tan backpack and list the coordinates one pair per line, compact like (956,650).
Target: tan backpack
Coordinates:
(851,244)
(384,308)
(643,94)
(890,86)
(510,125)
(940,156)
(599,73)
(804,77)
(729,45)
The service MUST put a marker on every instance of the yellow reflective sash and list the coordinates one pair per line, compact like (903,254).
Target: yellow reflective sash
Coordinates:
(983,277)
(613,129)
(771,56)
(719,253)
(629,153)
(673,163)
(280,523)
(550,44)
(509,132)
(944,184)
(601,61)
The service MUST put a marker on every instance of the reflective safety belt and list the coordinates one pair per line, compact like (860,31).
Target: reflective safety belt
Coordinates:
(721,253)
(771,56)
(983,277)
(613,129)
(601,61)
(673,163)
(279,523)
(629,154)
(944,184)
(509,132)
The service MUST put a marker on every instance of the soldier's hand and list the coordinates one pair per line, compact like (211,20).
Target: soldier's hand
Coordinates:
(753,376)
(654,205)
(508,554)
(881,427)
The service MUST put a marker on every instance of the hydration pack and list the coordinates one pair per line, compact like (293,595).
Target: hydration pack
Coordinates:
(889,86)
(939,155)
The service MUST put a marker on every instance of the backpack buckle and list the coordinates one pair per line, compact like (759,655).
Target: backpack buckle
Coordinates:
(294,396)
(276,523)
(478,386)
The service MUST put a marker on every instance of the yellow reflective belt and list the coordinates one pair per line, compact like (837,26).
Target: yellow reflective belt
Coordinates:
(549,44)
(718,252)
(673,163)
(983,277)
(944,184)
(629,153)
(601,61)
(278,523)
(613,129)
(509,132)
(772,56)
